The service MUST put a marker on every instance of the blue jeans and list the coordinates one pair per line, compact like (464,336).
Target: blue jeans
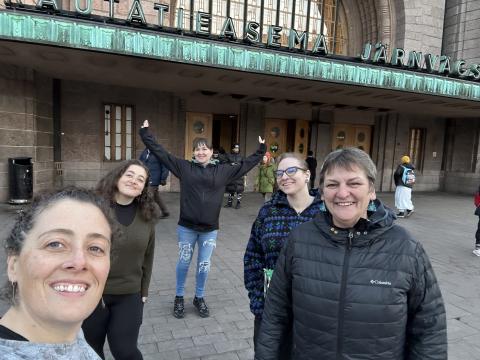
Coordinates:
(187,238)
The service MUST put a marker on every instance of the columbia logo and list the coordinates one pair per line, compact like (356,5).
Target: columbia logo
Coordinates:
(379,282)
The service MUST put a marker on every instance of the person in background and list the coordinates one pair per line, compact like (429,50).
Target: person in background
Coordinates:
(265,180)
(215,157)
(158,177)
(351,284)
(312,166)
(404,178)
(291,205)
(58,258)
(476,200)
(237,186)
(119,314)
(202,185)
(222,155)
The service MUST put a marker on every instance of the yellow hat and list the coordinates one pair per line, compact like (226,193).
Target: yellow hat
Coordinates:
(405,159)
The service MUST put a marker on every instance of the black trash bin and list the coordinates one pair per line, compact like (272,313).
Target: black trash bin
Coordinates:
(20,176)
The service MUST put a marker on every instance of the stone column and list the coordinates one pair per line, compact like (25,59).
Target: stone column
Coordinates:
(324,121)
(252,124)
(43,130)
(26,124)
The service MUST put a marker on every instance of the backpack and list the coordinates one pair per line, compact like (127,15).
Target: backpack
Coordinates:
(408,176)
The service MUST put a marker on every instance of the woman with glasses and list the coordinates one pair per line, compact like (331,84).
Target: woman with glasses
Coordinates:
(291,205)
(351,284)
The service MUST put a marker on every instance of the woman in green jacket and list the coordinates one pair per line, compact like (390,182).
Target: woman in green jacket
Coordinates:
(265,182)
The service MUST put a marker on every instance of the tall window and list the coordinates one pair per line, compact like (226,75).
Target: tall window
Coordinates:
(219,13)
(118,130)
(314,16)
(416,147)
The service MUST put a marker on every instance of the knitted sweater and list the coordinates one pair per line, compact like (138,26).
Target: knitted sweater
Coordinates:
(131,268)
(272,226)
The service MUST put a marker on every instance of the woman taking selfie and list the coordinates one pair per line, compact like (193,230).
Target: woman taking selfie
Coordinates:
(119,315)
(58,258)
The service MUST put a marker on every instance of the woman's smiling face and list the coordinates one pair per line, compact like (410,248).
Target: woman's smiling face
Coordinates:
(347,193)
(203,154)
(292,184)
(132,182)
(63,265)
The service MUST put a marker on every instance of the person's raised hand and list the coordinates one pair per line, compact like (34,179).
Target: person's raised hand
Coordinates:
(145,124)
(260,140)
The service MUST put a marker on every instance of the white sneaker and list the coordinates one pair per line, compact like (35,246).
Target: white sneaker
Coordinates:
(476,252)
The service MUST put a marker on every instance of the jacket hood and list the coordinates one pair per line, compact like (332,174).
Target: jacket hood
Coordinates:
(364,232)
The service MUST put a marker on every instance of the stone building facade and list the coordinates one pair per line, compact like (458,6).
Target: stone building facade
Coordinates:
(54,95)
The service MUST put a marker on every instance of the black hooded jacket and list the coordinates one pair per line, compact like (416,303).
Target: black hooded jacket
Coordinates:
(201,187)
(365,293)
(236,186)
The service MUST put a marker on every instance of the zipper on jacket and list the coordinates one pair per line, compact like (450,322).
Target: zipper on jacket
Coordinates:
(350,240)
(343,287)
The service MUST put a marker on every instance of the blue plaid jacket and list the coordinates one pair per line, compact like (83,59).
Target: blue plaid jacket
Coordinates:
(272,226)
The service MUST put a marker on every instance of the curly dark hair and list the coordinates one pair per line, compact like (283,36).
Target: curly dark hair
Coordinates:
(107,187)
(27,217)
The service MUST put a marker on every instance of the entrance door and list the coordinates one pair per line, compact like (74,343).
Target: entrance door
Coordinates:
(224,131)
(198,125)
(363,137)
(276,136)
(301,137)
(348,135)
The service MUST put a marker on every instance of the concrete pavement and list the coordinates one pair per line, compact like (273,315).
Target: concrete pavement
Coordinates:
(444,223)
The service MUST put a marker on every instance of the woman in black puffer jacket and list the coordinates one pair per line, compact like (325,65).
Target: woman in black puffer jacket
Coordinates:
(351,284)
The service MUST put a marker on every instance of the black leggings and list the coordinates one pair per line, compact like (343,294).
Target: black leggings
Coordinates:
(120,321)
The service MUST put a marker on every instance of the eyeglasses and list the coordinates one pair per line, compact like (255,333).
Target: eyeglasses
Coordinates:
(290,171)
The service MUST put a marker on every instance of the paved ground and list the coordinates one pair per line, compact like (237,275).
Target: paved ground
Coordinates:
(443,222)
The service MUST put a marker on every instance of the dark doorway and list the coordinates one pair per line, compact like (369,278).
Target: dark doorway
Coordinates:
(224,131)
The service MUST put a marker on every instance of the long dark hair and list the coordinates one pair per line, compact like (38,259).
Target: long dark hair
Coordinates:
(107,187)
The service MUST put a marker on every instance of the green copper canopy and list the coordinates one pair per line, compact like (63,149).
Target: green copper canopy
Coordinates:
(142,42)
